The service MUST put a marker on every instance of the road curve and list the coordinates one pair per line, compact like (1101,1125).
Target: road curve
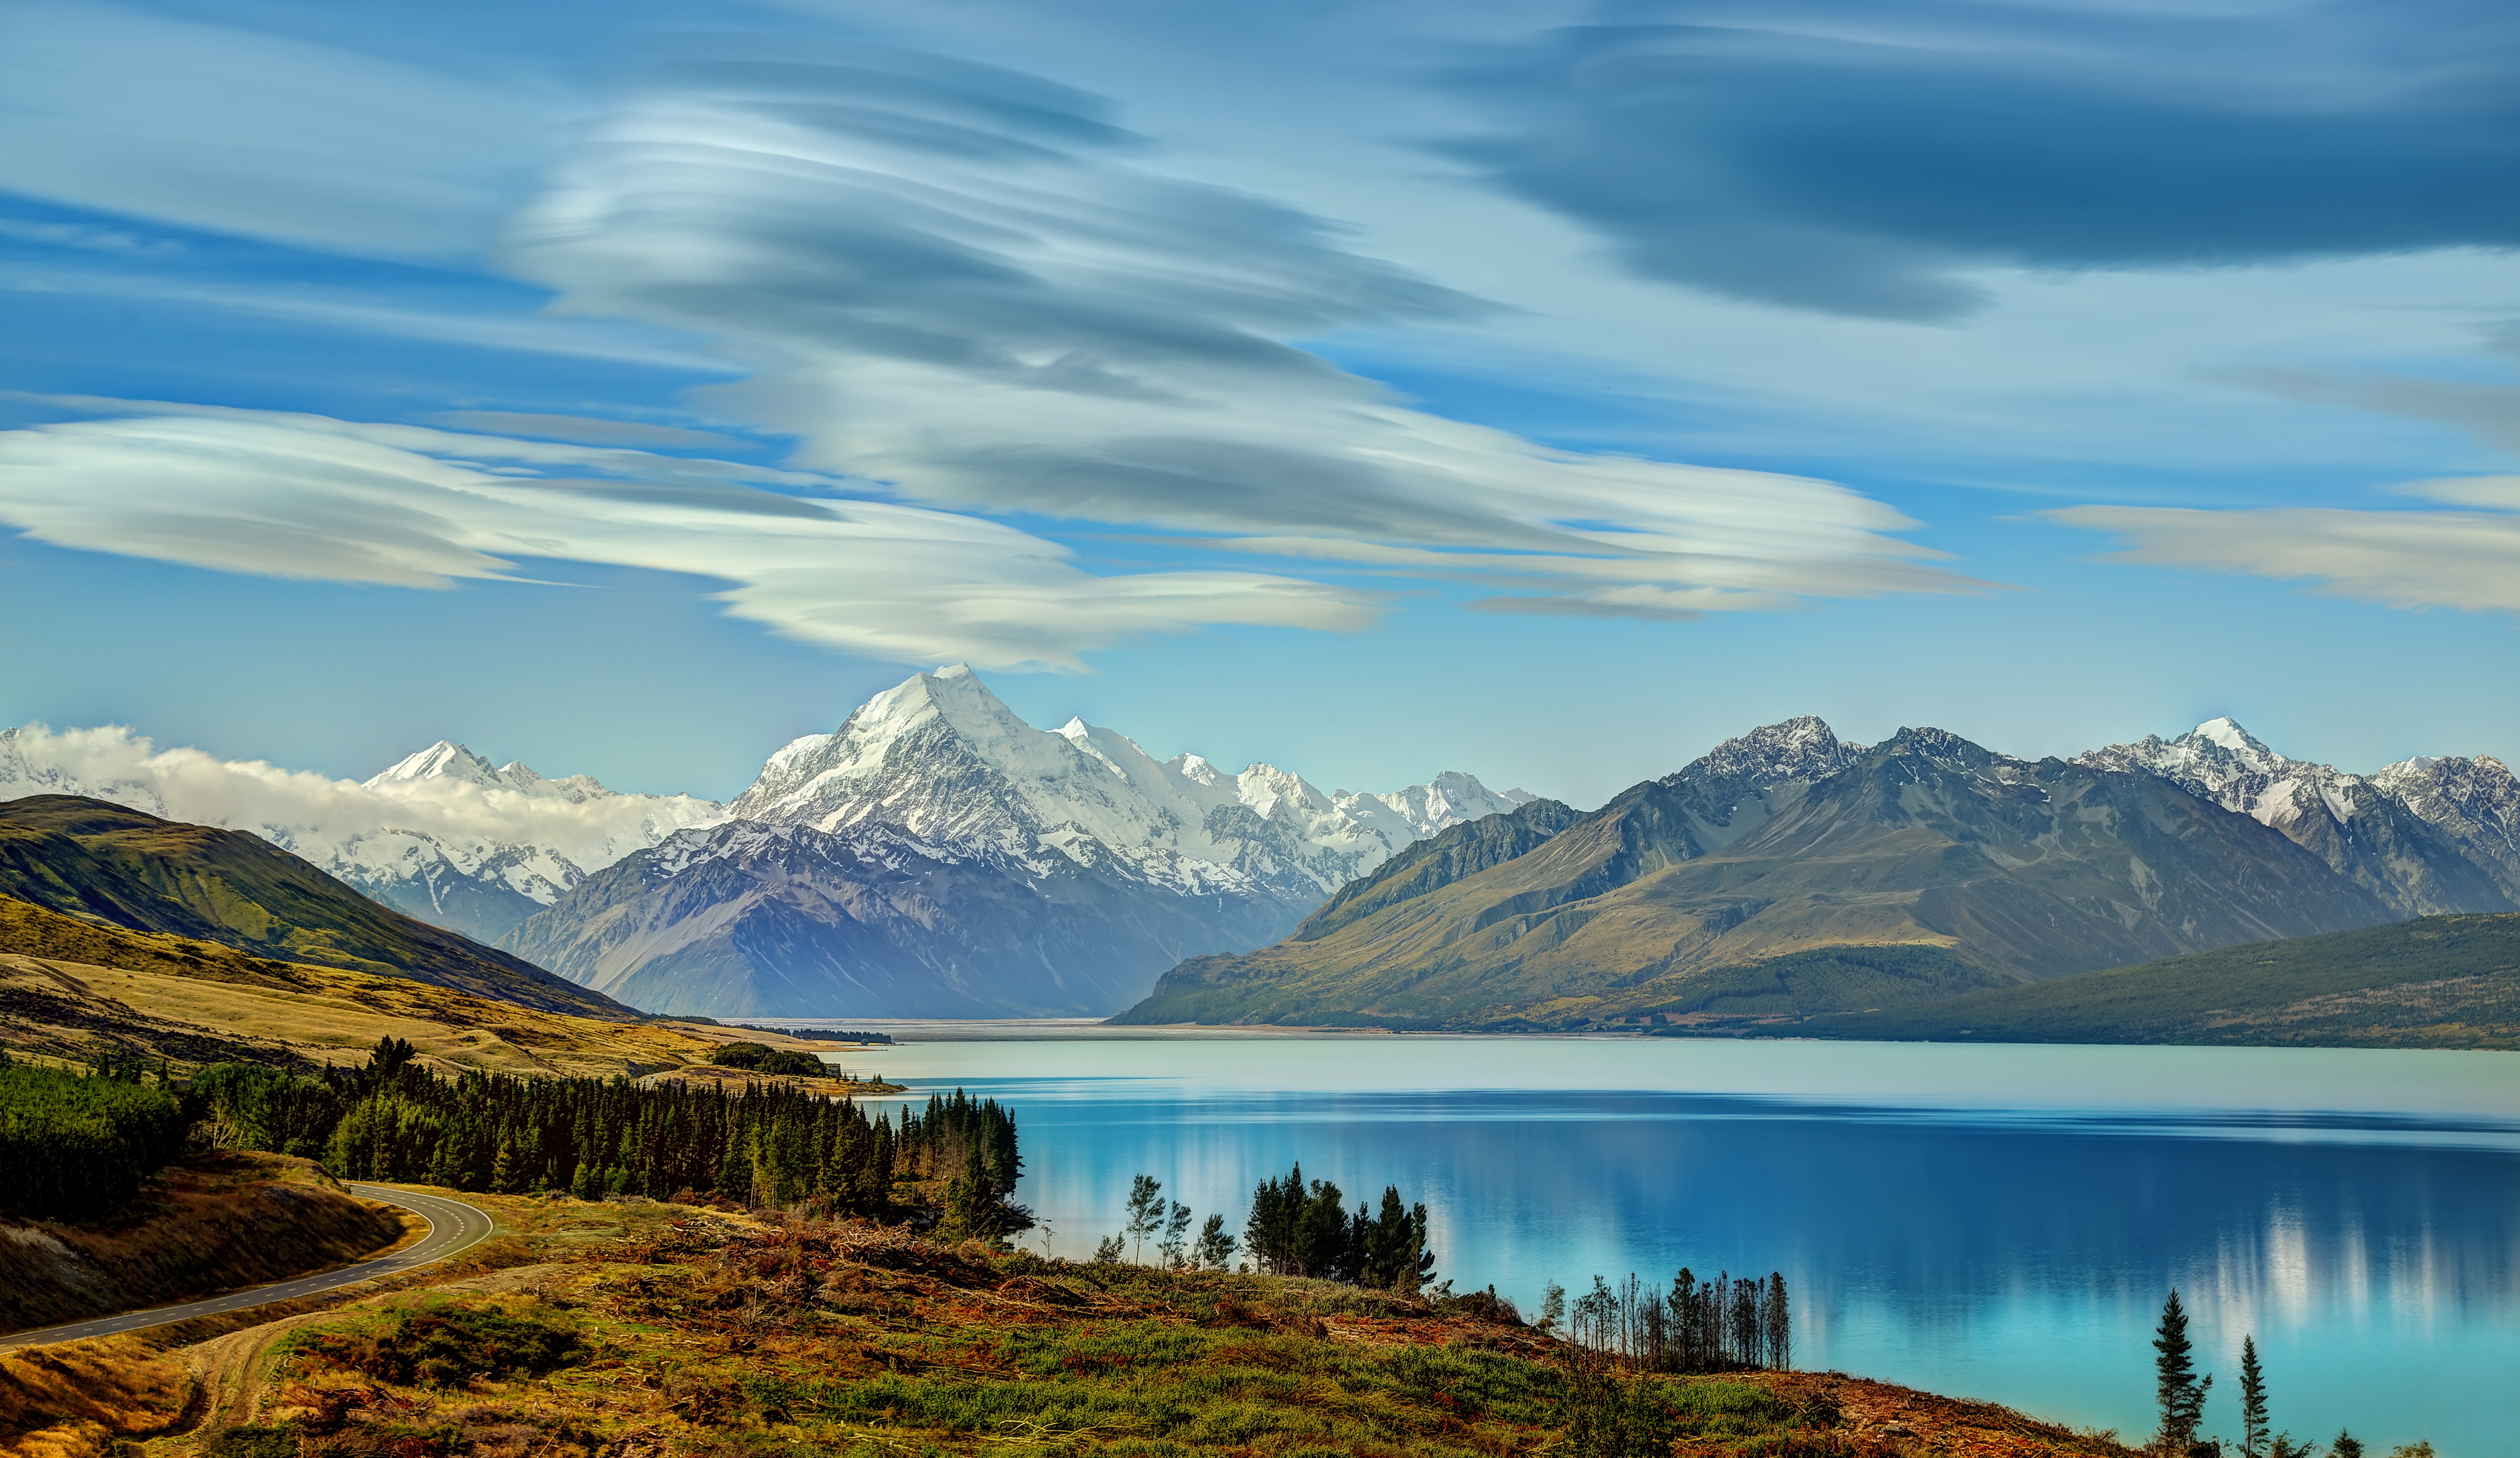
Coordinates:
(453,1227)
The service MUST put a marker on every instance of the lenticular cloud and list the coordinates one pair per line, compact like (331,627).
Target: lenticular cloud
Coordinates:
(970,287)
(311,497)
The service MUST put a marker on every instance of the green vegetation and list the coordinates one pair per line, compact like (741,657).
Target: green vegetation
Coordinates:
(814,1339)
(2180,1393)
(443,1343)
(808,1035)
(76,1147)
(1722,1325)
(2434,982)
(2175,1385)
(114,866)
(770,1145)
(1300,1231)
(770,1062)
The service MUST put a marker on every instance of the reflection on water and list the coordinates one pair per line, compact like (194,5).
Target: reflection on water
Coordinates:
(2362,1218)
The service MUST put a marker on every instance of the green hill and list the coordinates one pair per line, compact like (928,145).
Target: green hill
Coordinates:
(106,863)
(2436,982)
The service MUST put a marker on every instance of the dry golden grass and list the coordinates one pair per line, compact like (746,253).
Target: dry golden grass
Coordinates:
(69,989)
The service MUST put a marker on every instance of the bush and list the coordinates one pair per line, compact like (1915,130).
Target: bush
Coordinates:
(770,1062)
(252,1442)
(78,1147)
(446,1345)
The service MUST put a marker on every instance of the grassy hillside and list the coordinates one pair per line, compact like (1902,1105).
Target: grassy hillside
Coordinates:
(117,867)
(664,1330)
(73,989)
(2436,982)
(213,1222)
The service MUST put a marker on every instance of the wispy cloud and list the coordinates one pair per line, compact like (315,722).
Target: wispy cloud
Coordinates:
(310,497)
(976,289)
(2467,559)
(1856,159)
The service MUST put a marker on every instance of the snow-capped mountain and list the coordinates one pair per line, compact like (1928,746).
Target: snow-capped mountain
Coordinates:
(444,835)
(960,861)
(941,757)
(2426,836)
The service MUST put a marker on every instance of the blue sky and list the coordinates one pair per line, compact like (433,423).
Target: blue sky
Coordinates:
(1541,390)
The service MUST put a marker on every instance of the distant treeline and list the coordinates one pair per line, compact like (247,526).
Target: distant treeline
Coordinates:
(766,1145)
(75,1146)
(1698,1326)
(814,1034)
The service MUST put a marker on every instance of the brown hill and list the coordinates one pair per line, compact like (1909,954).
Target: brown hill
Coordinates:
(116,866)
(74,990)
(1923,868)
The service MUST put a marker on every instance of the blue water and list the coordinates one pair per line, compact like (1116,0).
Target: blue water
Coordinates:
(1990,1222)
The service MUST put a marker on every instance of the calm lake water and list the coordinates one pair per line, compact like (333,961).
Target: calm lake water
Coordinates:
(1991,1222)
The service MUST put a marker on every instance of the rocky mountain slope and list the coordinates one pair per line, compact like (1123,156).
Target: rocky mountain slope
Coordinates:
(1787,871)
(937,857)
(2425,836)
(444,835)
(112,865)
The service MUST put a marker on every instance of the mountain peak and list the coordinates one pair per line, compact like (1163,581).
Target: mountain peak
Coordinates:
(2226,733)
(1803,747)
(443,760)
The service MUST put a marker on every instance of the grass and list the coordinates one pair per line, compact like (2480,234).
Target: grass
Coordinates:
(74,988)
(693,1335)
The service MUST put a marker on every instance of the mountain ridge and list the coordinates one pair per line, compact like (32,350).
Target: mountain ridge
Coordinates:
(118,867)
(1981,867)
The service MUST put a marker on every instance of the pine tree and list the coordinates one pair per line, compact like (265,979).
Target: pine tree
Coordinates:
(2253,1401)
(2180,1392)
(1145,1211)
(2347,1446)
(1215,1248)
(1175,1244)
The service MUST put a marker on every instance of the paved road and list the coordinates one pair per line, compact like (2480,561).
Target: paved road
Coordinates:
(453,1226)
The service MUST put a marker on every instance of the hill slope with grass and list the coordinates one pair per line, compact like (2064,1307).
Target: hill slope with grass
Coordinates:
(2436,982)
(1787,874)
(664,1330)
(108,865)
(80,991)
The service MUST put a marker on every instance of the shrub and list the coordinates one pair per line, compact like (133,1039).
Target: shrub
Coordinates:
(446,1345)
(78,1147)
(770,1062)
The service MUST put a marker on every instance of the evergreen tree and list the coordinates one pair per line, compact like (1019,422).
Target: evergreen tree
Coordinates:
(2347,1446)
(2253,1401)
(1174,1246)
(1215,1248)
(1146,1209)
(2181,1393)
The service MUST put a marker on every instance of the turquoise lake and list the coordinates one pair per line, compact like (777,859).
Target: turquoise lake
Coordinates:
(1996,1221)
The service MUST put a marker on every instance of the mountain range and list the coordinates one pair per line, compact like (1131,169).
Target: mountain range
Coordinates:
(1788,874)
(937,857)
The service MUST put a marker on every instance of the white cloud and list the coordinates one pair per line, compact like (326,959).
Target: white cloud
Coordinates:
(311,497)
(2463,559)
(341,824)
(969,285)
